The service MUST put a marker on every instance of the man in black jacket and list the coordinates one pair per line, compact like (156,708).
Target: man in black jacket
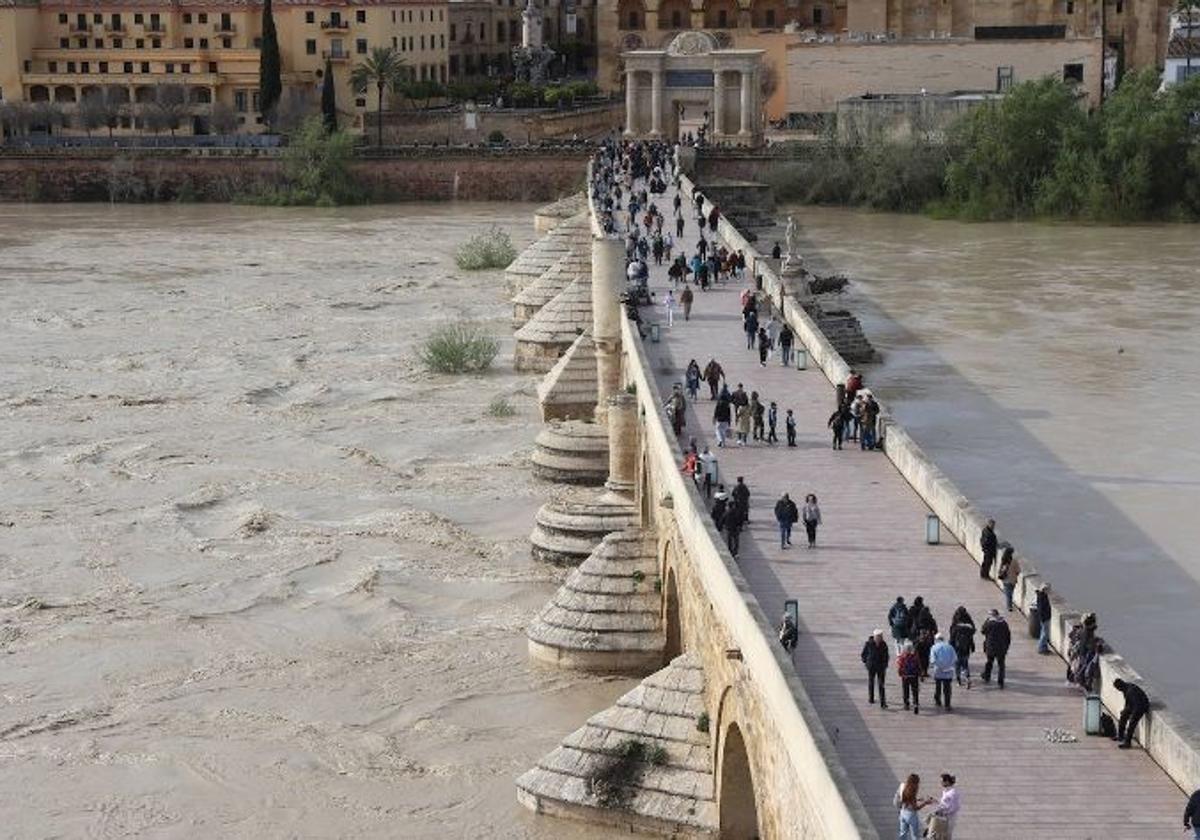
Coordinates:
(1191,814)
(741,497)
(1137,704)
(875,658)
(732,524)
(996,639)
(988,542)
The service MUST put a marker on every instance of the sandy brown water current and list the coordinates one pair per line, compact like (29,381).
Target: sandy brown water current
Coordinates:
(260,574)
(1053,371)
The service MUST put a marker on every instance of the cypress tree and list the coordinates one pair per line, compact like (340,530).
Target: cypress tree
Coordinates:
(328,99)
(270,87)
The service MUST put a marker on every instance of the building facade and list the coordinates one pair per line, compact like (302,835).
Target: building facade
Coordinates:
(484,32)
(1136,30)
(68,52)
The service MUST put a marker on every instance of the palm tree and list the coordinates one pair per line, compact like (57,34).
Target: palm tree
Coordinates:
(385,69)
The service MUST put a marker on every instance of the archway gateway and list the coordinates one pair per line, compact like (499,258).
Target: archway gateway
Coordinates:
(736,804)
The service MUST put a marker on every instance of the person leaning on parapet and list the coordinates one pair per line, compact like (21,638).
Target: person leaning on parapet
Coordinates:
(1137,705)
(1191,814)
(875,658)
(1045,613)
(722,415)
(988,543)
(788,633)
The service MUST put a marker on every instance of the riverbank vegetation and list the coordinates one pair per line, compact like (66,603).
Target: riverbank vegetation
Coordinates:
(315,169)
(1035,153)
(492,249)
(459,348)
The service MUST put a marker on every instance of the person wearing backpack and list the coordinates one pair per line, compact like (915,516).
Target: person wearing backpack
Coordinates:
(996,639)
(875,659)
(898,619)
(962,639)
(908,668)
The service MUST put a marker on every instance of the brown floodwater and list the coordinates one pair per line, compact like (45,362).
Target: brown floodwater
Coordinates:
(1053,371)
(260,574)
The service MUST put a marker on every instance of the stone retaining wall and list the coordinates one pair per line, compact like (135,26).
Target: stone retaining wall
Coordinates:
(146,176)
(1171,741)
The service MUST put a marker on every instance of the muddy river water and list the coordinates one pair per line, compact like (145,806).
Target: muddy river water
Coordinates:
(262,576)
(1053,371)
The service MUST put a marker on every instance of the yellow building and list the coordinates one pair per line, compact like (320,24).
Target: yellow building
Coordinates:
(69,51)
(1135,30)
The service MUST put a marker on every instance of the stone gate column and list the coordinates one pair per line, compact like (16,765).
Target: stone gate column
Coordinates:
(623,444)
(630,101)
(718,126)
(747,97)
(608,280)
(656,92)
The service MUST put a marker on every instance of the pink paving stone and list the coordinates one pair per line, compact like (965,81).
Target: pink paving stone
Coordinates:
(871,548)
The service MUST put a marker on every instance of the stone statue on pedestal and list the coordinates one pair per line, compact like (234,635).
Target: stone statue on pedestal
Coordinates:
(793,263)
(531,59)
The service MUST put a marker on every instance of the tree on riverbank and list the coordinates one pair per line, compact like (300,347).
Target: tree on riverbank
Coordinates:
(329,98)
(316,170)
(383,68)
(270,84)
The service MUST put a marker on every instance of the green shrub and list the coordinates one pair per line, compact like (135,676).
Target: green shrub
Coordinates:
(500,407)
(496,136)
(459,348)
(492,249)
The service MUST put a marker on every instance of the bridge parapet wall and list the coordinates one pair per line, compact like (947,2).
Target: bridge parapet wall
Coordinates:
(1170,740)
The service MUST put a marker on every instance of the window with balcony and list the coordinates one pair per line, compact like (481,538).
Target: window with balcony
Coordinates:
(82,44)
(360,46)
(115,22)
(310,17)
(360,15)
(155,22)
(335,20)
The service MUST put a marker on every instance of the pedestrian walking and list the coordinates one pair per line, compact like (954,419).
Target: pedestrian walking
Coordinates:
(676,406)
(722,414)
(720,504)
(837,425)
(733,522)
(691,379)
(1137,704)
(686,298)
(907,802)
(786,515)
(757,415)
(875,658)
(669,306)
(786,338)
(1044,614)
(942,661)
(922,629)
(773,332)
(812,518)
(988,543)
(713,374)
(962,639)
(996,639)
(708,468)
(898,619)
(764,346)
(772,420)
(789,424)
(1009,573)
(751,327)
(742,418)
(741,495)
(908,668)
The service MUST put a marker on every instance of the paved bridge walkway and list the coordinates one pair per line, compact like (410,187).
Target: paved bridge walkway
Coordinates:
(1013,782)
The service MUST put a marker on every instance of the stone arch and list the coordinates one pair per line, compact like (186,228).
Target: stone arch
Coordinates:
(64,93)
(768,14)
(143,94)
(674,14)
(737,808)
(720,14)
(631,15)
(39,93)
(201,95)
(117,94)
(672,618)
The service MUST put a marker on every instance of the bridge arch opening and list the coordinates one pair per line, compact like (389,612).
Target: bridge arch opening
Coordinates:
(671,618)
(736,805)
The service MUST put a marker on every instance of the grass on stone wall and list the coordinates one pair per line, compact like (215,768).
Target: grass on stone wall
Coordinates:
(459,348)
(492,249)
(614,778)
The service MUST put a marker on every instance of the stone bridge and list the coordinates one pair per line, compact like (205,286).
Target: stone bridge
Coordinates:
(732,738)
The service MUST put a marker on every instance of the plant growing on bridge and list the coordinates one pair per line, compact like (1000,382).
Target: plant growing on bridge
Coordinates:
(459,348)
(492,249)
(702,722)
(614,778)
